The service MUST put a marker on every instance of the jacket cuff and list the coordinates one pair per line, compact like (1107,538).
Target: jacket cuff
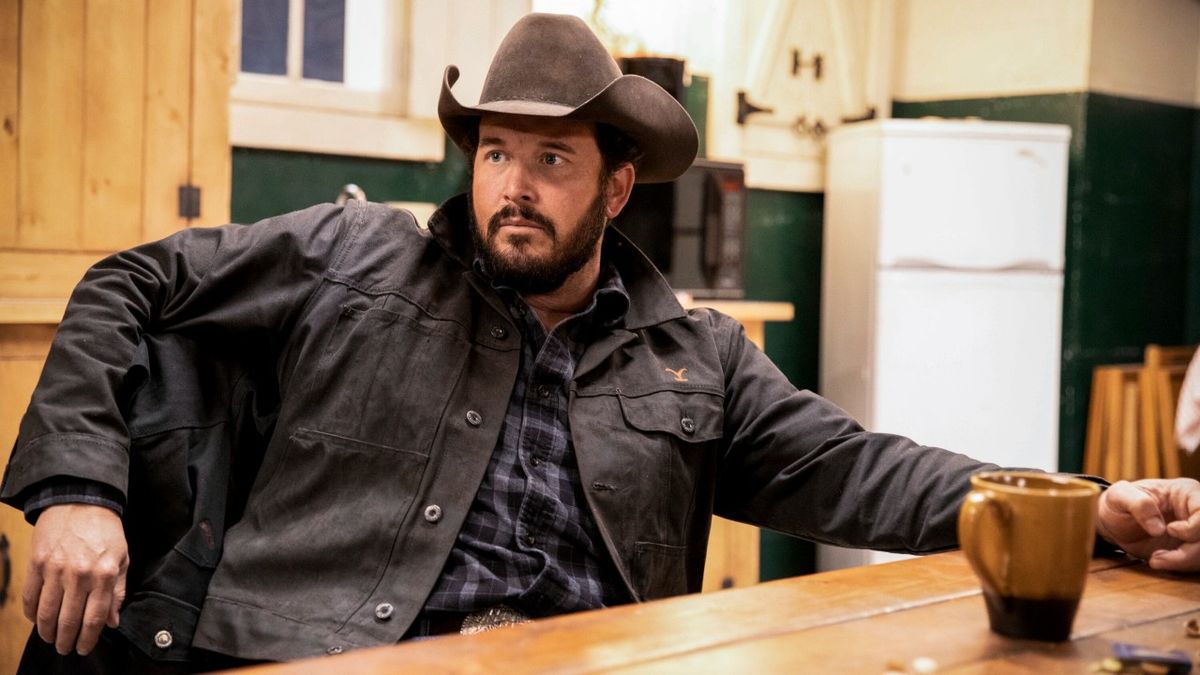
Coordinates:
(65,455)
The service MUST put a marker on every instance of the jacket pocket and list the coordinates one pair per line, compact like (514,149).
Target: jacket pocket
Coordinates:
(689,416)
(385,377)
(659,570)
(332,507)
(670,440)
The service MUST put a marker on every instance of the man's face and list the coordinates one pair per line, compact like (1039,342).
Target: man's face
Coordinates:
(538,204)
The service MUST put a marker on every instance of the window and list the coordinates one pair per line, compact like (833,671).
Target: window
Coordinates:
(328,76)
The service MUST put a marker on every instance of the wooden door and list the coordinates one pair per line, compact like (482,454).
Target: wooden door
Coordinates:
(107,108)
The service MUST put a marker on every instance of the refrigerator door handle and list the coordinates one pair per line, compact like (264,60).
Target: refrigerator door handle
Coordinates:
(1016,266)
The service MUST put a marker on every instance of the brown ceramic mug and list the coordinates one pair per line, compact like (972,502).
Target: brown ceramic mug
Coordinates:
(1029,538)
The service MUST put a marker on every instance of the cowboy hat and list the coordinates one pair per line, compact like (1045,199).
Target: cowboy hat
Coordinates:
(551,65)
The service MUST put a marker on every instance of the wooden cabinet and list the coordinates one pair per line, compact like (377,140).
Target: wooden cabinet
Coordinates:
(107,109)
(805,67)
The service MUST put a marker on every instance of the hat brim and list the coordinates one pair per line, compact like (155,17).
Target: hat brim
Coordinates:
(640,108)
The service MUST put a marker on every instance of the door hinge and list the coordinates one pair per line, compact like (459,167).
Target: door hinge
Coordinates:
(189,201)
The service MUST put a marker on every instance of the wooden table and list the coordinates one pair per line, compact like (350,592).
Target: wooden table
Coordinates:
(866,619)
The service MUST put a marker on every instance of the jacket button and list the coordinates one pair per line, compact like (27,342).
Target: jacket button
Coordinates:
(433,513)
(383,611)
(474,418)
(687,424)
(499,333)
(163,639)
(334,650)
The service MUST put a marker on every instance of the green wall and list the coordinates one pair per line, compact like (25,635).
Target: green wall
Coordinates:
(1131,222)
(270,182)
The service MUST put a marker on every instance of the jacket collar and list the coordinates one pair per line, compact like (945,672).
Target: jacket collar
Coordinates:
(651,300)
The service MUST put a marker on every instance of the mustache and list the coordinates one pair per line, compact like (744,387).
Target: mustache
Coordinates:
(519,211)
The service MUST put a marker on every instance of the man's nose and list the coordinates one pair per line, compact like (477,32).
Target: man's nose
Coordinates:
(518,184)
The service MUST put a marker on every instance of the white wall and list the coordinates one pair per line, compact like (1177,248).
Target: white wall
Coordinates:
(1146,49)
(979,48)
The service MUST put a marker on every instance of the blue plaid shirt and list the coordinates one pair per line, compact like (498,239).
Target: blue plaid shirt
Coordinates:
(529,540)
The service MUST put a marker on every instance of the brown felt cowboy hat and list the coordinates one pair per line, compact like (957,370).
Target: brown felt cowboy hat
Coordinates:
(551,65)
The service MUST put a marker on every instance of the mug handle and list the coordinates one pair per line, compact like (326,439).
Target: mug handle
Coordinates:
(980,509)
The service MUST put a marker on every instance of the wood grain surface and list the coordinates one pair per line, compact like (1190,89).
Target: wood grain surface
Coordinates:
(866,619)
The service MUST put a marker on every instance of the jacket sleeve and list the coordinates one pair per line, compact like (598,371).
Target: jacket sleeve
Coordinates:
(242,286)
(796,463)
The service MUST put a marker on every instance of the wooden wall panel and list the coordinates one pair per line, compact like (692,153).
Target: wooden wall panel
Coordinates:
(114,86)
(25,274)
(213,70)
(10,64)
(51,116)
(22,352)
(168,115)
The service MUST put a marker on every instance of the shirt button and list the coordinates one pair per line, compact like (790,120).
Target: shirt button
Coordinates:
(535,461)
(529,540)
(687,424)
(163,639)
(543,391)
(383,611)
(334,650)
(433,513)
(474,418)
(499,333)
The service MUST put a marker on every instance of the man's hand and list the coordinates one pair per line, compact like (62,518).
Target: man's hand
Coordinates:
(1154,519)
(76,579)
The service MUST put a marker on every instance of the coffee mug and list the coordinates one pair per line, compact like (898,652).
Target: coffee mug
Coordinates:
(1029,538)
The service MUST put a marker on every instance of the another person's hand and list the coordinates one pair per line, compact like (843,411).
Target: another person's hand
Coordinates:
(76,579)
(1154,519)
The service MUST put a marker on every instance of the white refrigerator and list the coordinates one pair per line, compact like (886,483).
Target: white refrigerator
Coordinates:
(941,298)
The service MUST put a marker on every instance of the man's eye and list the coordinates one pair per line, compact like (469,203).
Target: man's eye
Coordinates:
(494,156)
(552,159)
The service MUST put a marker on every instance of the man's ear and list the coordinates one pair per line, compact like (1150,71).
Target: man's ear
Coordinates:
(620,184)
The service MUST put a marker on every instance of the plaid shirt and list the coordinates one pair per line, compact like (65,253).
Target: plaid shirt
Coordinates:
(529,540)
(53,491)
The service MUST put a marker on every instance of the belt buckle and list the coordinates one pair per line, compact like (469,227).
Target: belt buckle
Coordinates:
(490,619)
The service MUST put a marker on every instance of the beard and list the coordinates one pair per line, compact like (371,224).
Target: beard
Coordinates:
(523,271)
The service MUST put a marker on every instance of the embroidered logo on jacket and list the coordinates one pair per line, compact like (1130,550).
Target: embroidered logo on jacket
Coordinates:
(678,374)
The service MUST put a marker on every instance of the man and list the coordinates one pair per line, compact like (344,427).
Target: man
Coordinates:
(476,424)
